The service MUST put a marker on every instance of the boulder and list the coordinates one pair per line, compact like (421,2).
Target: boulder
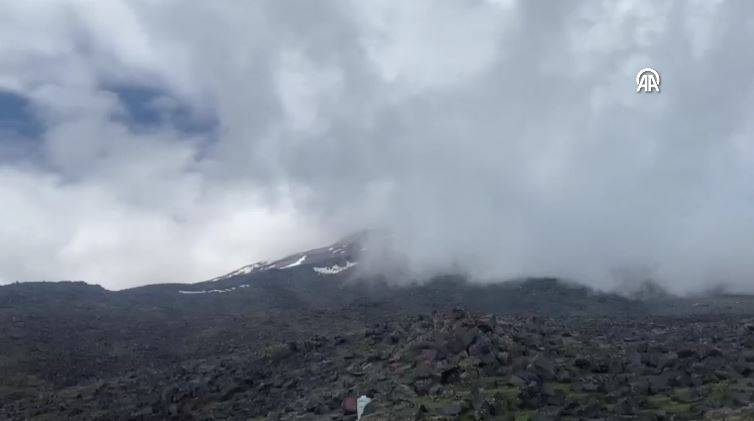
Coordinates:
(349,405)
(543,367)
(452,410)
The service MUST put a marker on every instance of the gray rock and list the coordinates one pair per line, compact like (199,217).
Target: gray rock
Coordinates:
(454,409)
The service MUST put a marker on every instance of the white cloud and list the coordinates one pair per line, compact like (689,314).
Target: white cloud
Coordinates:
(432,43)
(304,89)
(502,138)
(56,230)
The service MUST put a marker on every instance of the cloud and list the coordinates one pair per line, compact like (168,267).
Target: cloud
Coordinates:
(498,138)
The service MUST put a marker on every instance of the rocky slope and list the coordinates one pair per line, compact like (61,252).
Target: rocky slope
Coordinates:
(443,366)
(303,337)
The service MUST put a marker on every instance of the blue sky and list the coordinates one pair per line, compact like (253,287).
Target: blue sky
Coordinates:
(17,119)
(147,108)
(143,109)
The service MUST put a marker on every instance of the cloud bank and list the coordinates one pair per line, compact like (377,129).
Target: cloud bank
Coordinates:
(152,142)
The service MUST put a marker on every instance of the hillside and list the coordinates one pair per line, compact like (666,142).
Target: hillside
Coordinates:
(311,326)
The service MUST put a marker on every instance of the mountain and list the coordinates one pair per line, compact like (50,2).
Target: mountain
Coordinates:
(74,350)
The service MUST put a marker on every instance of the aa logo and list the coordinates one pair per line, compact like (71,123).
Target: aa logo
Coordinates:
(647,80)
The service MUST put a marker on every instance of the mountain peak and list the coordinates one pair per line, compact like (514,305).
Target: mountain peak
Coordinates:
(328,260)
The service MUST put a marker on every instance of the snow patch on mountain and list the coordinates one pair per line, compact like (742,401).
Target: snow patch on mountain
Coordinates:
(208,291)
(213,291)
(334,269)
(296,263)
(259,266)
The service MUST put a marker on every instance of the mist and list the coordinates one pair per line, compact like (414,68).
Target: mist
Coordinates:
(498,139)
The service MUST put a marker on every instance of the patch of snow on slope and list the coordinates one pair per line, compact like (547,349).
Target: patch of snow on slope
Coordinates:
(296,263)
(244,270)
(214,291)
(209,291)
(332,270)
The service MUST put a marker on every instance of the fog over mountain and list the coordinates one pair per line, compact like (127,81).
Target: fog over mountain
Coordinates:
(147,142)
